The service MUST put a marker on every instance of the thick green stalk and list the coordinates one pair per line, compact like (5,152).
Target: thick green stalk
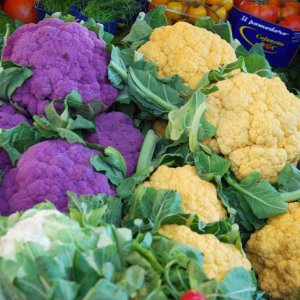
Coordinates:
(6,35)
(195,127)
(291,196)
(149,256)
(147,150)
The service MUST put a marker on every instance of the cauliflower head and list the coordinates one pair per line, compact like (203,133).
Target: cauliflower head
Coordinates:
(186,50)
(116,129)
(219,257)
(30,229)
(49,228)
(9,118)
(274,252)
(63,57)
(196,195)
(46,171)
(258,124)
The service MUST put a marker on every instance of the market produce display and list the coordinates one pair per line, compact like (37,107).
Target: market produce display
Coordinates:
(160,164)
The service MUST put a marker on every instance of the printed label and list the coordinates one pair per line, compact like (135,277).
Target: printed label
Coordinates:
(280,43)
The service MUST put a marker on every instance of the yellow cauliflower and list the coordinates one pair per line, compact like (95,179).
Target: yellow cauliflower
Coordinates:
(258,124)
(219,257)
(186,50)
(197,195)
(274,252)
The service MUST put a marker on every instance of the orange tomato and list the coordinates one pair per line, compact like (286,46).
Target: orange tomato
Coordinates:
(274,2)
(217,12)
(291,8)
(268,12)
(195,12)
(292,22)
(227,4)
(21,10)
(160,2)
(175,9)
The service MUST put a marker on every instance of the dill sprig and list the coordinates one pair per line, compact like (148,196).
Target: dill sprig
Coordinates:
(58,5)
(107,10)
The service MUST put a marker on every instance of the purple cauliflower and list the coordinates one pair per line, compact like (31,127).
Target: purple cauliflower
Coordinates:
(9,118)
(63,57)
(46,171)
(116,129)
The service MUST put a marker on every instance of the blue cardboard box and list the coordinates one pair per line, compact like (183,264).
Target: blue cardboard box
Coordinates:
(280,44)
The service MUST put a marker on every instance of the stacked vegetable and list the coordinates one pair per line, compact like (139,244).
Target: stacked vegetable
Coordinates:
(99,206)
(190,11)
(284,12)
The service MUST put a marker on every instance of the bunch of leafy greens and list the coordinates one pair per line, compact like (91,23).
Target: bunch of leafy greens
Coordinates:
(52,6)
(87,262)
(107,10)
(100,10)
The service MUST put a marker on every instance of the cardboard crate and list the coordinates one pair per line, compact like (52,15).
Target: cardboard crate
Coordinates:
(280,44)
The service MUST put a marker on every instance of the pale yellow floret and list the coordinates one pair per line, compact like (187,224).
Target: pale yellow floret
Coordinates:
(197,195)
(186,50)
(160,126)
(219,257)
(258,124)
(274,252)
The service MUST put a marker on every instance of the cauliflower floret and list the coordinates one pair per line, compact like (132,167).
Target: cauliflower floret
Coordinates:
(30,229)
(258,124)
(219,257)
(116,129)
(63,56)
(46,171)
(196,195)
(186,50)
(9,118)
(274,252)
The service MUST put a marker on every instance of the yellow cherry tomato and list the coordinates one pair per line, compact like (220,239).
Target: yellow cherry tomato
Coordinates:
(195,12)
(174,10)
(213,2)
(227,4)
(160,2)
(217,12)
